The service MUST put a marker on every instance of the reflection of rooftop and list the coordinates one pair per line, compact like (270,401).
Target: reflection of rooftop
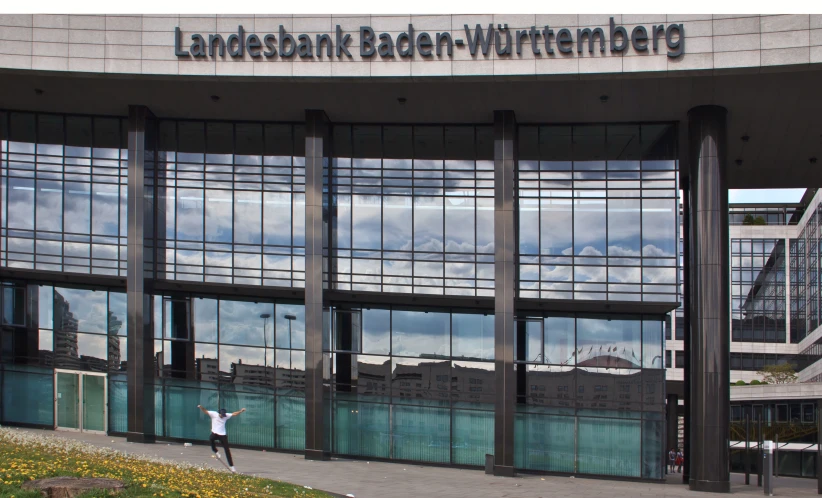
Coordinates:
(608,361)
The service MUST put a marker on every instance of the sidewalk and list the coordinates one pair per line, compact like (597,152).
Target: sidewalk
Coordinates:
(396,480)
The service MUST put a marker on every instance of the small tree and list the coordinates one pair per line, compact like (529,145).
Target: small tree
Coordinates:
(759,221)
(748,219)
(779,374)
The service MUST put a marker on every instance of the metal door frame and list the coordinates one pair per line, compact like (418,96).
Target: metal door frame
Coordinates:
(81,404)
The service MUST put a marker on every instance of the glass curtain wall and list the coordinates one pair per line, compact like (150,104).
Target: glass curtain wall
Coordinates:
(598,212)
(60,327)
(231,203)
(798,324)
(63,185)
(805,283)
(221,352)
(590,395)
(413,209)
(412,384)
(758,290)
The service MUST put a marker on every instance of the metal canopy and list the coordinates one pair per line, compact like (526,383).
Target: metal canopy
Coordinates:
(778,111)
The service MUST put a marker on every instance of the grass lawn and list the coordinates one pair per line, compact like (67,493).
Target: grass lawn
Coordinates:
(26,456)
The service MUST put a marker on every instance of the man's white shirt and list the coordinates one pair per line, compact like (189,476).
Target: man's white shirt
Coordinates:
(218,423)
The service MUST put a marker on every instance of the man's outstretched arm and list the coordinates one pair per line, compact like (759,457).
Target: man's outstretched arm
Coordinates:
(202,409)
(237,413)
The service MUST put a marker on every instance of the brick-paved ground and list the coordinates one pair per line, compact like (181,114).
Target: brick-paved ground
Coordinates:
(395,480)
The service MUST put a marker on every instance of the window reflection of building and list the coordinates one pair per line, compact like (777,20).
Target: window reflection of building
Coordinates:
(208,369)
(427,379)
(253,375)
(114,326)
(65,334)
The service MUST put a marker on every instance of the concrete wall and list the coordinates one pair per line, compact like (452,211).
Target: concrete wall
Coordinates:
(145,45)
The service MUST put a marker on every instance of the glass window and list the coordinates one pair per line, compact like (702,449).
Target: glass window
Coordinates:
(218,215)
(45,306)
(624,228)
(189,216)
(376,331)
(473,336)
(560,348)
(651,344)
(80,310)
(204,317)
(117,314)
(245,323)
(807,413)
(782,413)
(14,305)
(416,333)
(612,342)
(290,326)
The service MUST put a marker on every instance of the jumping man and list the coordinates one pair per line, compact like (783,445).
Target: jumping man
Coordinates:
(218,420)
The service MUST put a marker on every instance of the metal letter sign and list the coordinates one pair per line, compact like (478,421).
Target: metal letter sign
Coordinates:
(286,46)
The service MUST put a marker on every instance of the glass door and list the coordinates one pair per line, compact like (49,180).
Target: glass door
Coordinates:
(67,399)
(94,403)
(80,401)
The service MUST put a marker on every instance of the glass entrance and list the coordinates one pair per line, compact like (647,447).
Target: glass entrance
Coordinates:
(80,400)
(68,401)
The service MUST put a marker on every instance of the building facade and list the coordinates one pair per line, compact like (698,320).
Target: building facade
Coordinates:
(774,297)
(412,238)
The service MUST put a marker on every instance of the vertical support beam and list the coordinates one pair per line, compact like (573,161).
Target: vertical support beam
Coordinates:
(686,336)
(317,155)
(31,342)
(710,304)
(673,429)
(140,348)
(819,446)
(505,137)
(788,278)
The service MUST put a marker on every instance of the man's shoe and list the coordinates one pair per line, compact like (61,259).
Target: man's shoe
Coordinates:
(217,454)
(233,469)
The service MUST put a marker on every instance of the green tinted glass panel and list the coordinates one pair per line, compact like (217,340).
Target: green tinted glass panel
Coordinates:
(68,400)
(290,423)
(28,395)
(254,427)
(653,439)
(472,436)
(422,433)
(182,417)
(118,405)
(94,403)
(609,447)
(544,442)
(361,429)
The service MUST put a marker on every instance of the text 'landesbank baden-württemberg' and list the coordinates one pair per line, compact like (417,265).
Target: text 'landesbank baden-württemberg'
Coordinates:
(542,41)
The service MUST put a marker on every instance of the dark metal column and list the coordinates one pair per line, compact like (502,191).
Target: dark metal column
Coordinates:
(141,139)
(505,133)
(672,423)
(317,153)
(686,325)
(710,304)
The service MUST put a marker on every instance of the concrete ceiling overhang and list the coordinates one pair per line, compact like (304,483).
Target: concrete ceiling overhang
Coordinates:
(780,111)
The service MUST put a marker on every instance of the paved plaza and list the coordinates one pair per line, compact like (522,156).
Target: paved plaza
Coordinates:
(365,479)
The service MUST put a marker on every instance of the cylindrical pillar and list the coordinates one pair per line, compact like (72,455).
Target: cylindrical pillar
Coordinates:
(317,153)
(710,303)
(686,323)
(140,347)
(505,128)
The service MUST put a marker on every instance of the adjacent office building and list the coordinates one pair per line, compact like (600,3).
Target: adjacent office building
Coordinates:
(420,239)
(774,292)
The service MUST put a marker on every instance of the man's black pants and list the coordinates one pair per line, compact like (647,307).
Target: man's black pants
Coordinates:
(224,440)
